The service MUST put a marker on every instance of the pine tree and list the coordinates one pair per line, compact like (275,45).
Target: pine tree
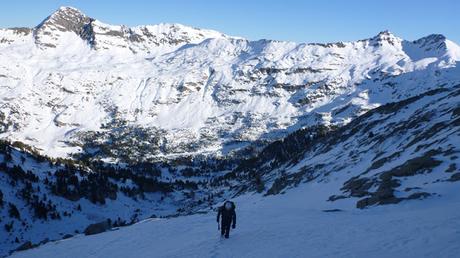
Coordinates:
(13,211)
(9,227)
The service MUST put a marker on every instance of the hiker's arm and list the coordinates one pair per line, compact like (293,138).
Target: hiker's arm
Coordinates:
(218,214)
(234,218)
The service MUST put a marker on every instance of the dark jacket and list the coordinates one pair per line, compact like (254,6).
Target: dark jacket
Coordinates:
(228,216)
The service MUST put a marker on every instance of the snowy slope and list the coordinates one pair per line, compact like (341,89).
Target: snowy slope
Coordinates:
(290,225)
(193,91)
(399,151)
(63,212)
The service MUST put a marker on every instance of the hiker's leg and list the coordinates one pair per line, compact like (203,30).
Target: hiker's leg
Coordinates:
(222,229)
(227,230)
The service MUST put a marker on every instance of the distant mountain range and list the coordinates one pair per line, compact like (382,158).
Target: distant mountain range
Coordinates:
(196,91)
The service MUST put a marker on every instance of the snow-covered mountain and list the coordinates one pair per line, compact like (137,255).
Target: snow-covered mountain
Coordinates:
(105,122)
(73,80)
(67,22)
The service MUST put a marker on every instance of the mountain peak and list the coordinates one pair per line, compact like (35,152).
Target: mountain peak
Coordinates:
(385,36)
(385,33)
(67,8)
(65,19)
(432,39)
(67,12)
(99,35)
(437,44)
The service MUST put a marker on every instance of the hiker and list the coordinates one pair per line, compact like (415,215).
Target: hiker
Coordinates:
(227,211)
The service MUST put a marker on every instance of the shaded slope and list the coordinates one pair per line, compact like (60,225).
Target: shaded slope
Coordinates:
(280,226)
(402,150)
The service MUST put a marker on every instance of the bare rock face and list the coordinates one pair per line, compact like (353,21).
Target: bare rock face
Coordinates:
(455,177)
(432,42)
(98,228)
(25,246)
(66,19)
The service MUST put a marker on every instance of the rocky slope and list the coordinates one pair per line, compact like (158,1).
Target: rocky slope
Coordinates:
(399,151)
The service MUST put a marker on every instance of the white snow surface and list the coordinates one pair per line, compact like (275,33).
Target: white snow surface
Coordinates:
(289,225)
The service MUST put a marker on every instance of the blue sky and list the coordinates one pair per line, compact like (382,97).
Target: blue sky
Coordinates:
(294,20)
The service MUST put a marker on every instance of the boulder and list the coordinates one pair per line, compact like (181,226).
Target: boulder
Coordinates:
(97,228)
(454,177)
(25,246)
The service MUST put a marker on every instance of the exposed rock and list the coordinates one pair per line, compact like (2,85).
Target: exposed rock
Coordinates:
(66,236)
(25,246)
(452,168)
(418,195)
(333,210)
(334,198)
(357,187)
(454,177)
(97,228)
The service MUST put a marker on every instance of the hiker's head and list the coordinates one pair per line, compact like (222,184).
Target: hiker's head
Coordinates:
(228,205)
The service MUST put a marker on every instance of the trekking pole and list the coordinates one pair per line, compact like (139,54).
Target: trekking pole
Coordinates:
(218,225)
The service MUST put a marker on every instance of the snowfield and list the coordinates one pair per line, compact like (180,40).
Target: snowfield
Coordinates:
(289,225)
